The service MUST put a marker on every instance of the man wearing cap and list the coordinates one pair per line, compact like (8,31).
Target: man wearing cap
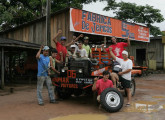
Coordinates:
(87,47)
(42,76)
(125,75)
(72,52)
(61,46)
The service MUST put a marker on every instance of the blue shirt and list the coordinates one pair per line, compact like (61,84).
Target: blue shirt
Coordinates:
(43,63)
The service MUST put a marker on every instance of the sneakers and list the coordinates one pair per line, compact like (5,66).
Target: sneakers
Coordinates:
(41,104)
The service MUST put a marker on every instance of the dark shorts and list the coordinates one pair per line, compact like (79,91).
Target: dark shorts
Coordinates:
(125,83)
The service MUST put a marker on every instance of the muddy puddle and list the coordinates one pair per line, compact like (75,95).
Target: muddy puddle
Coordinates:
(146,106)
(82,117)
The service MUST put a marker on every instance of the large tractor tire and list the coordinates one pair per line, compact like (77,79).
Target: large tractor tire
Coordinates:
(133,87)
(111,100)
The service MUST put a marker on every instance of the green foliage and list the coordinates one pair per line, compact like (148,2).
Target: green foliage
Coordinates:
(136,13)
(16,12)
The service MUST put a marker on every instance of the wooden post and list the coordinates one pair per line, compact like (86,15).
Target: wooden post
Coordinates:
(105,40)
(48,10)
(2,68)
(147,62)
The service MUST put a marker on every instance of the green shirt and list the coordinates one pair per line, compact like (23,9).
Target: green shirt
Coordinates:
(87,48)
(54,65)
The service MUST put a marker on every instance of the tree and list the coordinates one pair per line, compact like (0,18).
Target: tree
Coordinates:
(132,12)
(16,12)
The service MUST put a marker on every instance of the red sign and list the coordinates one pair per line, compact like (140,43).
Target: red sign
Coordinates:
(92,23)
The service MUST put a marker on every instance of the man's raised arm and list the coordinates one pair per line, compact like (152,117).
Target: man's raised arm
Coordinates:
(111,53)
(75,39)
(55,38)
(39,52)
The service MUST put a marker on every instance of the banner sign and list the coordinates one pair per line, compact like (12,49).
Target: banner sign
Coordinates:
(92,23)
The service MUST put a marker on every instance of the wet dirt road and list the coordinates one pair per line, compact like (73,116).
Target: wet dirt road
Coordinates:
(148,104)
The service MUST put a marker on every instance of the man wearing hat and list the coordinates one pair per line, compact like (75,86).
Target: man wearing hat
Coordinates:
(125,75)
(87,47)
(72,52)
(61,46)
(42,76)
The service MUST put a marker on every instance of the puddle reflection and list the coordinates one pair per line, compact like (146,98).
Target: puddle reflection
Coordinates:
(144,107)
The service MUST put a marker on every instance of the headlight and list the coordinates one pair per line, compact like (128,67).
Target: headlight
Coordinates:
(80,70)
(62,70)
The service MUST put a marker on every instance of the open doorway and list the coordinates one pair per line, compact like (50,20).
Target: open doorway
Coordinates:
(140,56)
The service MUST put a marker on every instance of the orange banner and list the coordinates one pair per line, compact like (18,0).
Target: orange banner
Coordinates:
(92,23)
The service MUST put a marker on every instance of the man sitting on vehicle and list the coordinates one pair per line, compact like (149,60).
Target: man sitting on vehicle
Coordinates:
(72,52)
(87,47)
(125,75)
(101,84)
(81,52)
(117,49)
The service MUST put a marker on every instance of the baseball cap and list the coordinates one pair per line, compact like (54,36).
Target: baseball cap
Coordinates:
(72,46)
(125,52)
(86,38)
(46,48)
(63,38)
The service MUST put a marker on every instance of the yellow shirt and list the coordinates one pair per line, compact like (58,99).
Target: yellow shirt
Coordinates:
(87,48)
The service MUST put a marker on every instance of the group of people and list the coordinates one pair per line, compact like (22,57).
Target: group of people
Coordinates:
(47,64)
(47,69)
(120,57)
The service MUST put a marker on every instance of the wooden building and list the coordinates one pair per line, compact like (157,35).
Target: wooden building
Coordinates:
(33,34)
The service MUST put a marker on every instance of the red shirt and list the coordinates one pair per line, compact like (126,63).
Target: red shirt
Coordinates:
(62,49)
(102,85)
(117,49)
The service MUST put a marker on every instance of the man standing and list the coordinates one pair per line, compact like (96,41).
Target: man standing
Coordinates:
(87,47)
(101,84)
(53,71)
(42,76)
(117,47)
(125,75)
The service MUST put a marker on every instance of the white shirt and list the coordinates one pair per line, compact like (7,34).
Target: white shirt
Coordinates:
(83,52)
(125,65)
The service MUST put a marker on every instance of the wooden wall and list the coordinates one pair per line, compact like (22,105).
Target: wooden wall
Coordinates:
(155,51)
(36,32)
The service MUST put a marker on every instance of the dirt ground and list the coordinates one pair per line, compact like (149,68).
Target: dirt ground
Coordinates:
(148,104)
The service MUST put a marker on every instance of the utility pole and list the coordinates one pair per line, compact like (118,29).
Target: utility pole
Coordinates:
(48,17)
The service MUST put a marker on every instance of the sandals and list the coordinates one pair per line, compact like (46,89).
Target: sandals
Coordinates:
(127,105)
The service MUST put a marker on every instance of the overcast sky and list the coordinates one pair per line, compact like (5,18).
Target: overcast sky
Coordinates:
(158,4)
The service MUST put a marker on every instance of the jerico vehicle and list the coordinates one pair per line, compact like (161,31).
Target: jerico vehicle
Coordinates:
(77,77)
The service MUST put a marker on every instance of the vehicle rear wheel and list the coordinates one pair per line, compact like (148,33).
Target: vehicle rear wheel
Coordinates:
(133,87)
(111,100)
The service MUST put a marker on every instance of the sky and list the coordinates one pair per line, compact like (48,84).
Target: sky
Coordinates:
(157,4)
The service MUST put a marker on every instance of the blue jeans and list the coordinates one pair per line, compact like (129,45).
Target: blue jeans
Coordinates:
(40,82)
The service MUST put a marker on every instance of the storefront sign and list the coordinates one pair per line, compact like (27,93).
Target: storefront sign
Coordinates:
(92,23)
